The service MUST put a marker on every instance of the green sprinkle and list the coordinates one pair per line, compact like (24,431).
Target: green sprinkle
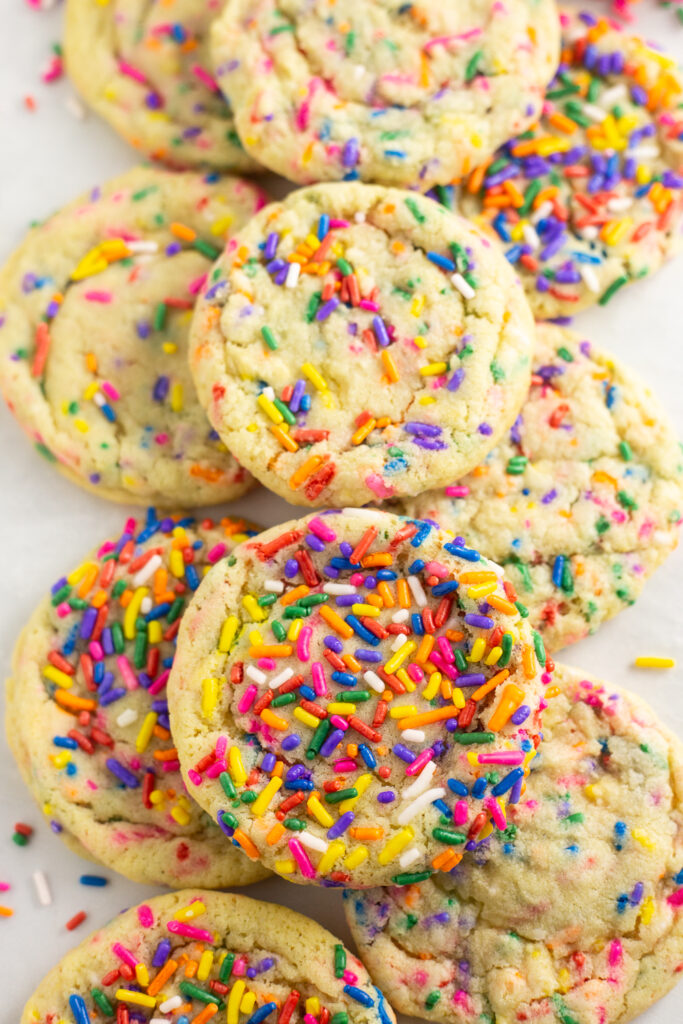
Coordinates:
(280,29)
(118,637)
(565,354)
(574,819)
(602,525)
(210,251)
(266,600)
(349,42)
(539,648)
(474,737)
(318,738)
(460,660)
(229,818)
(248,796)
(530,194)
(471,67)
(562,1010)
(432,999)
(61,595)
(226,967)
(312,307)
(345,267)
(269,338)
(506,644)
(45,452)
(339,960)
(284,698)
(516,465)
(227,784)
(449,836)
(102,1002)
(297,611)
(311,600)
(625,451)
(176,610)
(195,992)
(140,650)
(159,316)
(522,609)
(279,631)
(341,794)
(626,501)
(415,210)
(411,921)
(411,877)
(613,288)
(295,824)
(340,1018)
(285,410)
(19,839)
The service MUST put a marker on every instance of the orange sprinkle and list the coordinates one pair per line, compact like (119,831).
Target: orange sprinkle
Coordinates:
(493,682)
(305,470)
(162,977)
(285,440)
(292,596)
(384,591)
(209,1011)
(243,840)
(183,231)
(403,593)
(529,661)
(379,559)
(427,717)
(368,833)
(389,365)
(512,697)
(74,703)
(338,624)
(276,833)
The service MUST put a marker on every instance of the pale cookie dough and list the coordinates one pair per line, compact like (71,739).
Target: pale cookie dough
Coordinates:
(202,955)
(87,716)
(573,916)
(95,309)
(584,498)
(592,197)
(356,343)
(383,91)
(336,681)
(145,67)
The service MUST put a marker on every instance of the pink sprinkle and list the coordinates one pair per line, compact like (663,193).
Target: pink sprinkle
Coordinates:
(347,764)
(221,747)
(127,69)
(367,304)
(616,953)
(496,813)
(319,680)
(102,297)
(349,977)
(676,898)
(303,644)
(301,857)
(339,723)
(203,75)
(96,651)
(336,222)
(415,673)
(4,886)
(187,930)
(455,38)
(145,916)
(110,391)
(378,486)
(436,569)
(194,777)
(446,649)
(457,492)
(247,699)
(460,812)
(502,757)
(161,438)
(108,546)
(267,664)
(54,70)
(125,955)
(127,674)
(160,682)
(310,1019)
(216,769)
(194,287)
(63,610)
(416,766)
(216,552)
(321,530)
(239,967)
(356,579)
(170,766)
(443,666)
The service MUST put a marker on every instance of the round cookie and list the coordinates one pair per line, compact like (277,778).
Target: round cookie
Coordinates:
(145,68)
(87,717)
(583,499)
(592,197)
(356,343)
(383,91)
(576,916)
(95,309)
(198,954)
(335,682)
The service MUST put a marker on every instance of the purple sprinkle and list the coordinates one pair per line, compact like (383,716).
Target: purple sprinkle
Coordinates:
(340,826)
(480,621)
(122,773)
(456,380)
(327,308)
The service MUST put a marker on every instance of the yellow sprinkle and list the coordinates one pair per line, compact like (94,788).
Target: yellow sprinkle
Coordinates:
(270,409)
(313,1006)
(404,651)
(357,857)
(236,767)
(234,1000)
(205,965)
(341,707)
(176,563)
(334,851)
(81,425)
(417,305)
(190,912)
(493,655)
(360,785)
(61,759)
(478,648)
(169,348)
(643,838)
(142,975)
(563,980)
(180,815)
(647,911)
(642,662)
(433,369)
(432,688)
(127,995)
(222,224)
(263,800)
(426,400)
(420,342)
(250,603)
(319,811)
(248,1002)
(132,610)
(393,846)
(365,609)
(228,631)
(154,632)
(209,696)
(55,675)
(146,730)
(405,679)
(315,378)
(295,629)
(306,718)
(177,397)
(481,590)
(458,697)
(403,711)
(91,391)
(285,867)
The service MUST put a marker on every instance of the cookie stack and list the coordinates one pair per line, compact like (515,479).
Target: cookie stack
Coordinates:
(364,697)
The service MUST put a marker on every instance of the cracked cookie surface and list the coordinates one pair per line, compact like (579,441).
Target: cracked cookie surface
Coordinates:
(95,309)
(354,343)
(582,500)
(87,715)
(574,914)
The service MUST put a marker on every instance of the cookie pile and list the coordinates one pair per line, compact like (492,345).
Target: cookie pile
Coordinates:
(363,697)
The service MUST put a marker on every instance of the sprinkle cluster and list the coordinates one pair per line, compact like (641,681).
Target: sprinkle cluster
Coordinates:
(591,198)
(372,703)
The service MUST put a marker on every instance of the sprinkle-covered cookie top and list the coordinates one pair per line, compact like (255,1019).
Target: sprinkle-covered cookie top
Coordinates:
(95,309)
(584,497)
(145,68)
(355,343)
(88,710)
(591,198)
(356,698)
(575,914)
(194,955)
(383,91)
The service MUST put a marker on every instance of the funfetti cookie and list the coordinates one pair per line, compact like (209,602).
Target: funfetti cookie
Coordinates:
(355,343)
(574,914)
(95,310)
(582,500)
(194,955)
(592,197)
(87,715)
(383,91)
(338,683)
(145,68)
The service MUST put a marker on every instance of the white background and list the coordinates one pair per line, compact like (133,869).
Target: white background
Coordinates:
(47,525)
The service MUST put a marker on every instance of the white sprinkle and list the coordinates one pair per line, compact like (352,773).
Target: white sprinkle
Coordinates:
(281,678)
(423,801)
(530,236)
(413,735)
(590,232)
(171,1004)
(463,286)
(594,112)
(146,605)
(620,204)
(313,842)
(373,680)
(398,641)
(589,277)
(359,217)
(292,275)
(256,674)
(417,591)
(75,108)
(543,211)
(42,888)
(269,392)
(613,95)
(127,717)
(143,246)
(274,586)
(409,856)
(420,784)
(644,152)
(372,514)
(359,70)
(99,399)
(401,615)
(147,571)
(339,588)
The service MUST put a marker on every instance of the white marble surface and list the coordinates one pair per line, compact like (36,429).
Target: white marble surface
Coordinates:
(46,524)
